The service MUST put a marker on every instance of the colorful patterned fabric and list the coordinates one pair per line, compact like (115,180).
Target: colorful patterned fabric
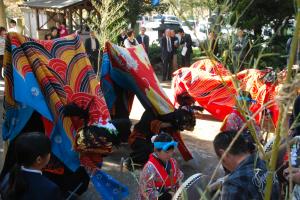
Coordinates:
(235,121)
(211,85)
(131,69)
(154,178)
(44,76)
(108,187)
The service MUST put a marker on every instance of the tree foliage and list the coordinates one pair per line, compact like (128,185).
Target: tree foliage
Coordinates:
(259,13)
(194,9)
(12,8)
(136,8)
(107,19)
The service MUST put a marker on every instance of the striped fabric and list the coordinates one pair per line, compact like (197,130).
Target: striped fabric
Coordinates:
(212,86)
(43,76)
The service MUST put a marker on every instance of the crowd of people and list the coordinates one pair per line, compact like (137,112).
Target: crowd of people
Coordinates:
(151,140)
(60,30)
(170,43)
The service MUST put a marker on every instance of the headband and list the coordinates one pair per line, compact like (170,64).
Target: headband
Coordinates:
(241,98)
(165,145)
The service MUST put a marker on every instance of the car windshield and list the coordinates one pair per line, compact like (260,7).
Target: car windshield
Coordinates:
(157,17)
(187,23)
(172,18)
(202,28)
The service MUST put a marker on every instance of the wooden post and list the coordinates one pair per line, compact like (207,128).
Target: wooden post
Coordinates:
(2,14)
(70,19)
(80,18)
(37,19)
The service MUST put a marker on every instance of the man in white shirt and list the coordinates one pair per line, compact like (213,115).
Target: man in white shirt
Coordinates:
(167,51)
(92,48)
(143,39)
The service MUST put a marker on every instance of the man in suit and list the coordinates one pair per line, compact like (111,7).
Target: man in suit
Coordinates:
(187,49)
(92,48)
(175,50)
(167,47)
(240,48)
(143,39)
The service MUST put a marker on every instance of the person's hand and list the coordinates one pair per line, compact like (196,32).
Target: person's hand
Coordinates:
(293,174)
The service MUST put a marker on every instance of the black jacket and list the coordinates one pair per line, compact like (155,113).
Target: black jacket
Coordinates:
(146,41)
(188,40)
(120,40)
(88,48)
(164,47)
(39,187)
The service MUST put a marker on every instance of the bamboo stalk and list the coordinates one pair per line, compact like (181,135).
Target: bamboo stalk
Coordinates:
(272,164)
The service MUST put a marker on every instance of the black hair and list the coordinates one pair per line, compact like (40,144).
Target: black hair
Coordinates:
(130,32)
(180,30)
(164,137)
(2,29)
(28,147)
(241,145)
(12,22)
(47,35)
(184,99)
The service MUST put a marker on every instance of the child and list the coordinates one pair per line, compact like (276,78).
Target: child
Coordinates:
(26,180)
(48,36)
(63,30)
(161,176)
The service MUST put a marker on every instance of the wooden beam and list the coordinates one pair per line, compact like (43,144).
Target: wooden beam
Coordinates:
(51,17)
(70,19)
(2,14)
(80,18)
(37,19)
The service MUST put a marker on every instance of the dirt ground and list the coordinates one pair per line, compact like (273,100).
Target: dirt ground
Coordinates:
(198,142)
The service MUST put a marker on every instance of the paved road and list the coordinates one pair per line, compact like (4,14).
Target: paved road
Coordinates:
(198,141)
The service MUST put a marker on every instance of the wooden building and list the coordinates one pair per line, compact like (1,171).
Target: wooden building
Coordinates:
(41,15)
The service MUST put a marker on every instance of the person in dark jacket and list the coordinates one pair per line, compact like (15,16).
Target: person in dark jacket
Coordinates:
(167,50)
(247,177)
(26,181)
(176,46)
(187,49)
(142,38)
(54,33)
(92,48)
(296,61)
(121,38)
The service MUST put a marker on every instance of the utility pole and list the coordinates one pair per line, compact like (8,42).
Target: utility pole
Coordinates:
(2,14)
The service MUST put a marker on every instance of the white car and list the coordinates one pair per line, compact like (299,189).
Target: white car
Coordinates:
(151,31)
(142,20)
(167,18)
(198,33)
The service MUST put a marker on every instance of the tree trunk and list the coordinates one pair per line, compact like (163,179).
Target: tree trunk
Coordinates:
(2,14)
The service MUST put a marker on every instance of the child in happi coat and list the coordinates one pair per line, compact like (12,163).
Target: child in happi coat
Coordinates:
(26,181)
(161,176)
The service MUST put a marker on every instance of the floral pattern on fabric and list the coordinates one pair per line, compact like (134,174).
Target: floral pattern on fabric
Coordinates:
(149,176)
